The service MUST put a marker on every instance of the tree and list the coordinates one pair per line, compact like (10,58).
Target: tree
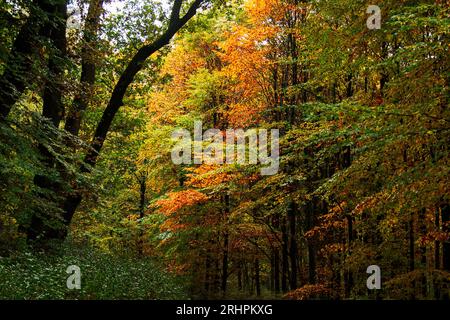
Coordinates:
(175,23)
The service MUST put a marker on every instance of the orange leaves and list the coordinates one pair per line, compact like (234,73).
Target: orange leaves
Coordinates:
(369,202)
(206,175)
(433,236)
(260,11)
(179,200)
(333,248)
(327,223)
(310,291)
(240,115)
(246,52)
(175,202)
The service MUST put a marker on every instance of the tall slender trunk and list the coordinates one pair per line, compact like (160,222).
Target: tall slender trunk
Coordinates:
(276,270)
(207,274)
(293,245)
(257,278)
(239,276)
(437,256)
(411,243)
(284,256)
(384,74)
(311,247)
(142,202)
(225,245)
(445,212)
(53,109)
(348,273)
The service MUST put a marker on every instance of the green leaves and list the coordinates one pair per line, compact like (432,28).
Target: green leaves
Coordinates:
(39,276)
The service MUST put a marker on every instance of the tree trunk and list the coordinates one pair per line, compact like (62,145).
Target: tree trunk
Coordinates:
(53,109)
(411,244)
(88,62)
(257,279)
(239,277)
(445,212)
(311,247)
(293,245)
(348,273)
(284,255)
(142,202)
(276,262)
(225,245)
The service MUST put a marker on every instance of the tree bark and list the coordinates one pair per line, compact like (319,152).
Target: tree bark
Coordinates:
(445,212)
(276,271)
(142,202)
(293,245)
(284,256)
(311,247)
(225,246)
(88,66)
(411,244)
(257,279)
(53,109)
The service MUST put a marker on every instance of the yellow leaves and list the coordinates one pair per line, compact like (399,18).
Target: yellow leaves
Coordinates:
(207,175)
(132,217)
(260,11)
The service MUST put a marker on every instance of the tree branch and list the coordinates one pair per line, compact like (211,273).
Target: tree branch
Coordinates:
(116,100)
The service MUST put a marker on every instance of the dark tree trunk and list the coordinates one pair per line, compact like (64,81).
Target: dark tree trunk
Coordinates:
(311,247)
(349,85)
(88,57)
(142,203)
(292,210)
(411,244)
(445,212)
(207,274)
(437,256)
(276,270)
(348,273)
(225,263)
(384,75)
(246,277)
(284,256)
(257,279)
(239,277)
(272,273)
(53,109)
(225,245)
(276,256)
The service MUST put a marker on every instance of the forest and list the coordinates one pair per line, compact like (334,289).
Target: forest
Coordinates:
(347,101)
